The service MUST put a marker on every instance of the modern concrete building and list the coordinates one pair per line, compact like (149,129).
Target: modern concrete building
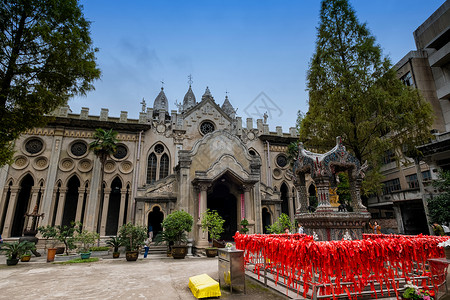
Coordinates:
(428,70)
(198,157)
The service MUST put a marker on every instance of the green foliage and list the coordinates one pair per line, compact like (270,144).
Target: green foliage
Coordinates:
(15,250)
(132,236)
(244,224)
(343,190)
(87,239)
(101,248)
(439,205)
(48,232)
(78,261)
(213,222)
(279,226)
(46,56)
(104,144)
(354,93)
(65,234)
(114,242)
(175,227)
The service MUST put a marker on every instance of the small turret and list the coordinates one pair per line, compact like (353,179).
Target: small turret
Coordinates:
(228,108)
(161,102)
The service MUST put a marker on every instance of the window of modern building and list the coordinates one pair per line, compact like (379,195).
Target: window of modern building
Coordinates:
(426,175)
(407,79)
(389,156)
(412,181)
(391,186)
(158,164)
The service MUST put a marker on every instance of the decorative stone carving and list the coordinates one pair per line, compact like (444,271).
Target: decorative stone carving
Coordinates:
(126,167)
(21,162)
(66,164)
(40,163)
(110,166)
(85,165)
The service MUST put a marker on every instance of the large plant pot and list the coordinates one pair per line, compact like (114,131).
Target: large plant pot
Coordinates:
(12,261)
(211,252)
(116,254)
(132,255)
(51,252)
(60,250)
(179,252)
(85,255)
(25,258)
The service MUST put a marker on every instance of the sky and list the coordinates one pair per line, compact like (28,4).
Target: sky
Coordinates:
(255,51)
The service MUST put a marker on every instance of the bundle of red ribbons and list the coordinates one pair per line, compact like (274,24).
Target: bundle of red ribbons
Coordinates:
(376,258)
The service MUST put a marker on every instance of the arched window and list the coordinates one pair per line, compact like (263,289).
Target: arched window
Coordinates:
(158,164)
(151,168)
(164,166)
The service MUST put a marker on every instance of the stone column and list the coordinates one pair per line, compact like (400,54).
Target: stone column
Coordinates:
(105,212)
(79,204)
(323,195)
(47,198)
(248,203)
(398,217)
(355,191)
(61,204)
(11,209)
(290,205)
(302,196)
(123,194)
(202,205)
(92,209)
(34,195)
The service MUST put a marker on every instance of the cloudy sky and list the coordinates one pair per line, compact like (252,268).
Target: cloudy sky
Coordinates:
(258,51)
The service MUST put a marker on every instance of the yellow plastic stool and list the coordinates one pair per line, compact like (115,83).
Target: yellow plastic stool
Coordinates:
(203,286)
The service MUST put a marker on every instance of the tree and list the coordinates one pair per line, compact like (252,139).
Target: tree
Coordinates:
(354,93)
(283,222)
(46,56)
(213,222)
(439,206)
(103,146)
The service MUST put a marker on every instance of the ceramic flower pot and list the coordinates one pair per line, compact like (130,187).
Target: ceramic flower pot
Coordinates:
(51,252)
(85,255)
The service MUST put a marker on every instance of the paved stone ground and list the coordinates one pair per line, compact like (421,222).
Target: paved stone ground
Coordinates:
(151,278)
(155,277)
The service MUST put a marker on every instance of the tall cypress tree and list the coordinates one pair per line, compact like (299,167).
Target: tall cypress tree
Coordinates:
(354,93)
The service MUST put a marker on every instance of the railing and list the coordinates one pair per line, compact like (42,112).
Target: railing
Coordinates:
(375,266)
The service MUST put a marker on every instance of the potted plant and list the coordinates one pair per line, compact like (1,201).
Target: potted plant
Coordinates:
(49,232)
(115,242)
(87,239)
(65,234)
(213,223)
(416,293)
(26,256)
(244,224)
(132,237)
(175,226)
(15,250)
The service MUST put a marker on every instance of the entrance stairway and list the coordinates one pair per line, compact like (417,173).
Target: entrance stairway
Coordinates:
(157,250)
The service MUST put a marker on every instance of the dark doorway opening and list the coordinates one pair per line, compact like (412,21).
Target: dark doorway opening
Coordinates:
(285,198)
(266,219)
(312,196)
(23,201)
(71,203)
(224,202)
(413,216)
(155,218)
(112,221)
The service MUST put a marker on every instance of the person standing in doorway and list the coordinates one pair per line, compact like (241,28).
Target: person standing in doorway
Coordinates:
(150,233)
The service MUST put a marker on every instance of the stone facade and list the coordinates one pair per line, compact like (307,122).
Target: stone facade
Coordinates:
(196,158)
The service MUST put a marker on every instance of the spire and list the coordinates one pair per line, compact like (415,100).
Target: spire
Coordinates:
(161,102)
(228,108)
(207,93)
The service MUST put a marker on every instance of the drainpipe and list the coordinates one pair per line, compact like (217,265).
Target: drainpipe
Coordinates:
(136,178)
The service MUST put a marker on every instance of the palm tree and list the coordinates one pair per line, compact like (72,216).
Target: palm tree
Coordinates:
(103,146)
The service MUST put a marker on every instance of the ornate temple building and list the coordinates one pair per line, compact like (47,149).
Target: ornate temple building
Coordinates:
(197,157)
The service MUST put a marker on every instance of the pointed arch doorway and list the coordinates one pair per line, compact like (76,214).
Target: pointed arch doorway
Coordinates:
(23,201)
(155,218)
